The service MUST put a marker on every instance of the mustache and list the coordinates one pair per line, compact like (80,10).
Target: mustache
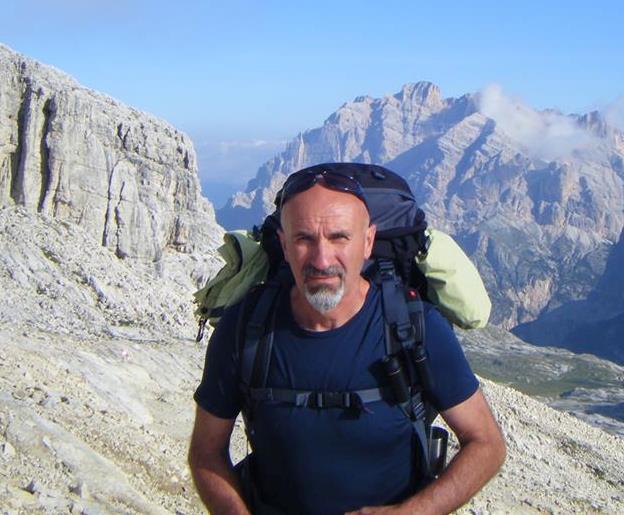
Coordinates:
(333,270)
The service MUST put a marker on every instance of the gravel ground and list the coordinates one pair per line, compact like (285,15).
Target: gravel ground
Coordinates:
(101,425)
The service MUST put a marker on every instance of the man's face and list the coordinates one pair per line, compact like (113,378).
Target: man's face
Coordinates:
(326,237)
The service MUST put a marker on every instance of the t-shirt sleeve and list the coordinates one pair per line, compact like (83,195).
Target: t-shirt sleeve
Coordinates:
(219,391)
(454,381)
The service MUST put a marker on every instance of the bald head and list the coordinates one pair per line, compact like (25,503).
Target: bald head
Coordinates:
(326,236)
(318,200)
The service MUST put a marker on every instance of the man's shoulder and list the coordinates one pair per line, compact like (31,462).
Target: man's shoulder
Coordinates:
(256,301)
(437,325)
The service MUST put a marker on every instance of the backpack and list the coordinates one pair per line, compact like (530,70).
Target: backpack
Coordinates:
(399,265)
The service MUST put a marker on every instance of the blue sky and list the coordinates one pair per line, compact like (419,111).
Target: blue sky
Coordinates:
(253,74)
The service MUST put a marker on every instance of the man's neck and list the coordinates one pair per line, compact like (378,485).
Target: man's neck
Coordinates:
(312,320)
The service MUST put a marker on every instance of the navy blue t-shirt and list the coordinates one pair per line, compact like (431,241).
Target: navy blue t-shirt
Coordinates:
(326,461)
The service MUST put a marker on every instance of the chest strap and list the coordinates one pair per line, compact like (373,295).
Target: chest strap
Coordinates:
(320,400)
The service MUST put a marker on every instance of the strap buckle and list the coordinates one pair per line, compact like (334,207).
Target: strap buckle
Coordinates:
(404,331)
(322,400)
(200,330)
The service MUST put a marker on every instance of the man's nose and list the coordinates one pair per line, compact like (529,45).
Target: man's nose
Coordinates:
(321,255)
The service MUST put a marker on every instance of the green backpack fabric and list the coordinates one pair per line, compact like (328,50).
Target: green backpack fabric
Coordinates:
(246,264)
(453,282)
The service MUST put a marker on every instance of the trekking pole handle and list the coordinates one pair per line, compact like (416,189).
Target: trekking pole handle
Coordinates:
(419,355)
(396,375)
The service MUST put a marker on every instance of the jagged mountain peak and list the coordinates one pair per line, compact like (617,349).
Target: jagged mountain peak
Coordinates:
(361,99)
(411,95)
(535,197)
(422,92)
(594,122)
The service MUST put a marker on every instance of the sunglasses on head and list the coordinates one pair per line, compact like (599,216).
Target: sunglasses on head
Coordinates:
(304,179)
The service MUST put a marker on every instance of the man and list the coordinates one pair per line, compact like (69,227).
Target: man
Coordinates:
(330,337)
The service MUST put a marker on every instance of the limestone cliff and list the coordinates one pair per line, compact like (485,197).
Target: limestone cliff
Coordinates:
(129,179)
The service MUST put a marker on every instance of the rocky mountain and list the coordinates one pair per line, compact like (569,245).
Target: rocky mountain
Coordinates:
(535,198)
(128,179)
(97,360)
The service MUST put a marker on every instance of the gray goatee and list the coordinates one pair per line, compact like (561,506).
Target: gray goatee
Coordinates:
(324,297)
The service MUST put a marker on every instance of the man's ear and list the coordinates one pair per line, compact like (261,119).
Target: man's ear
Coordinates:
(370,240)
(282,238)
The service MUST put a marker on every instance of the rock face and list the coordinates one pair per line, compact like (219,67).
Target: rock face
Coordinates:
(535,198)
(55,276)
(128,179)
(594,324)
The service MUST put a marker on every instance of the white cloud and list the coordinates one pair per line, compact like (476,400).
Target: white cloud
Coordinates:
(614,113)
(228,146)
(546,135)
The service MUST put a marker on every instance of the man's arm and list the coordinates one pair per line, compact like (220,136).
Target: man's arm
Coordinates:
(210,464)
(481,454)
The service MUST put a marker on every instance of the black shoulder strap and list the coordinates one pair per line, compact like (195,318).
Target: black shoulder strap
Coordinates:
(399,331)
(256,333)
(404,319)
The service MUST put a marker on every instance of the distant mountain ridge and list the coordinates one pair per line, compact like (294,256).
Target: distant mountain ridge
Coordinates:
(535,198)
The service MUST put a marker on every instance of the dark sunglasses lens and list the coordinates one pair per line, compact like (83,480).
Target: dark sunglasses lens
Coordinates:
(296,184)
(299,182)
